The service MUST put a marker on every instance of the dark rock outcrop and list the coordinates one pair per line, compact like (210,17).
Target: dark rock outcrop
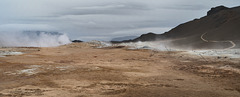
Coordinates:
(216,10)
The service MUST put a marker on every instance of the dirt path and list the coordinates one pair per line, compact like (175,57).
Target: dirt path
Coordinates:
(79,70)
(232,43)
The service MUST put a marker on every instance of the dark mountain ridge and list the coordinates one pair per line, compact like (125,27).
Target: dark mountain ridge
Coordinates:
(220,24)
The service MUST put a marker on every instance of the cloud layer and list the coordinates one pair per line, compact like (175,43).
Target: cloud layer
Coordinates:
(102,19)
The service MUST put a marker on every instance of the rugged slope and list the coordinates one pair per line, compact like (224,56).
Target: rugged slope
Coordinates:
(221,25)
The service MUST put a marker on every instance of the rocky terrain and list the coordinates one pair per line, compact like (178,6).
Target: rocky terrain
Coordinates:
(85,70)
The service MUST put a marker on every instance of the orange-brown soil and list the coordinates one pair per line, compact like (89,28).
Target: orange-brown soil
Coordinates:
(80,70)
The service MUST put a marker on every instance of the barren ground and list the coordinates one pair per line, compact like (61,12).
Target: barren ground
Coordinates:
(80,70)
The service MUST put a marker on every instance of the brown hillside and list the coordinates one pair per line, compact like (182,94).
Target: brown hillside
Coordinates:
(221,25)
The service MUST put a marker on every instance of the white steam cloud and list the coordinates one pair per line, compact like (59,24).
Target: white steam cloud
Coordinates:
(153,45)
(33,39)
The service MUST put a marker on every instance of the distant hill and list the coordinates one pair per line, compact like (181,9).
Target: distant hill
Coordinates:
(77,41)
(119,39)
(219,28)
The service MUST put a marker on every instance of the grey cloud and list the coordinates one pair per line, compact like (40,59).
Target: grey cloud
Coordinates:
(186,7)
(107,9)
(102,19)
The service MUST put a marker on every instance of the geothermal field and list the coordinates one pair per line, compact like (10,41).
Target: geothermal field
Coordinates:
(100,69)
(119,48)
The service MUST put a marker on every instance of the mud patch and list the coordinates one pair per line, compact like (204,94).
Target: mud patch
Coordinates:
(32,70)
(35,69)
(9,53)
(23,91)
(221,54)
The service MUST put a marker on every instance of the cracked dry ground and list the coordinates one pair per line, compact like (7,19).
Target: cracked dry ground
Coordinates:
(80,70)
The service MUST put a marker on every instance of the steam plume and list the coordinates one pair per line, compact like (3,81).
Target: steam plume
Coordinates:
(33,39)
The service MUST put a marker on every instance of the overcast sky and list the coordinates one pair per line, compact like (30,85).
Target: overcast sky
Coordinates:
(102,19)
